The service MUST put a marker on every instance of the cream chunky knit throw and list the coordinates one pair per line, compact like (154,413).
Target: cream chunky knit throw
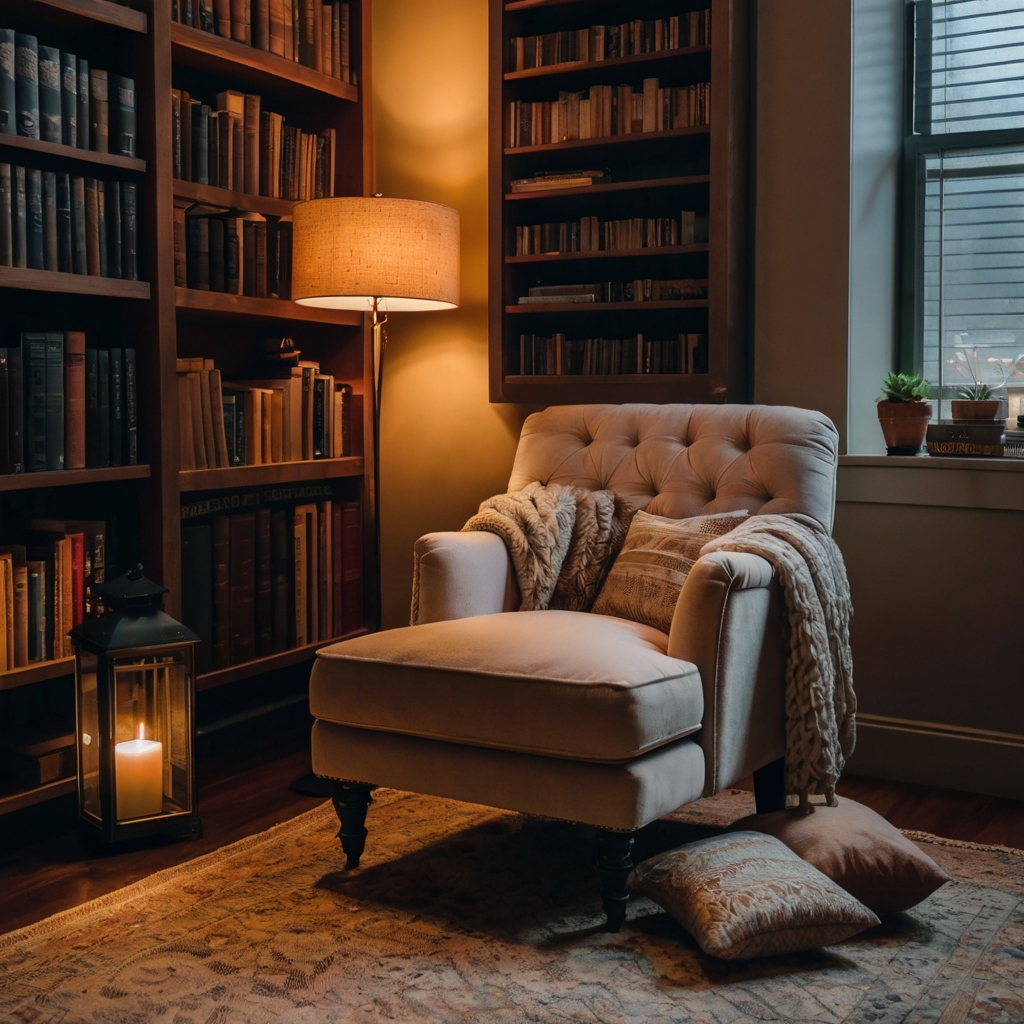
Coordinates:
(820,702)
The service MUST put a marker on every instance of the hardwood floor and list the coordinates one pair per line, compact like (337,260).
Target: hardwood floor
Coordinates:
(44,869)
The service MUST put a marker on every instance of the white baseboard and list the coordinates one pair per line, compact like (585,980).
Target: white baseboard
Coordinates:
(931,754)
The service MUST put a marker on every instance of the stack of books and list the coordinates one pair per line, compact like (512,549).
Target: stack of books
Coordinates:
(52,95)
(283,573)
(279,414)
(306,31)
(66,406)
(236,145)
(607,110)
(550,181)
(605,42)
(52,220)
(973,438)
(589,234)
(640,290)
(556,355)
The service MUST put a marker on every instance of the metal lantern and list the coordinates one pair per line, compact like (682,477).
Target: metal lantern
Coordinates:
(135,706)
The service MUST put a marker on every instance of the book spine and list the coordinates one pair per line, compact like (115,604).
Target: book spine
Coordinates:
(299,578)
(99,105)
(337,570)
(74,400)
(50,256)
(222,592)
(69,99)
(26,84)
(123,127)
(8,105)
(261,24)
(241,25)
(54,400)
(101,226)
(352,560)
(6,240)
(19,219)
(34,218)
(84,106)
(16,407)
(92,408)
(131,408)
(129,231)
(5,414)
(180,270)
(114,229)
(197,597)
(200,143)
(37,611)
(80,259)
(264,587)
(217,250)
(92,229)
(222,17)
(103,408)
(243,587)
(116,406)
(280,563)
(34,345)
(50,129)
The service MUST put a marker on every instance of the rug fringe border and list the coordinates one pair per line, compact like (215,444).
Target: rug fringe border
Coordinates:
(962,844)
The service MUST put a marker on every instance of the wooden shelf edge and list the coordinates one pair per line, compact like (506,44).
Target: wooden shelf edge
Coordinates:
(529,5)
(609,140)
(223,676)
(223,304)
(72,477)
(37,672)
(606,307)
(597,254)
(613,186)
(606,378)
(89,156)
(270,475)
(228,199)
(239,57)
(11,802)
(102,11)
(71,284)
(568,67)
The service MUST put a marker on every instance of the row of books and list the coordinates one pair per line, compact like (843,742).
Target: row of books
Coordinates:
(58,221)
(306,31)
(974,438)
(588,234)
(66,406)
(243,254)
(236,145)
(556,355)
(267,579)
(46,588)
(285,414)
(548,181)
(607,110)
(639,290)
(606,42)
(52,95)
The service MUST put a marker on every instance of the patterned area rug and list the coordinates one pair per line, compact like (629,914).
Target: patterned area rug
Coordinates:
(463,913)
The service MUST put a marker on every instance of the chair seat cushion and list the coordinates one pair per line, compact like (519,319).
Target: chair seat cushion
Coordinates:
(558,683)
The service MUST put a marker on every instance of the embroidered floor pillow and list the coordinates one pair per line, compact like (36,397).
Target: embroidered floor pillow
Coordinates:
(656,557)
(745,894)
(859,850)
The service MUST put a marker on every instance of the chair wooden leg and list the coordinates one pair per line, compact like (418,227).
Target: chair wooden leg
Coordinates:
(351,801)
(615,862)
(770,787)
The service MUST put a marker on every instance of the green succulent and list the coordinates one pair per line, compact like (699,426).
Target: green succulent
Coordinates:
(904,387)
(975,392)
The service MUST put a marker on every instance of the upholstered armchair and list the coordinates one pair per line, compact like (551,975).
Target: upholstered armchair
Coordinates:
(573,715)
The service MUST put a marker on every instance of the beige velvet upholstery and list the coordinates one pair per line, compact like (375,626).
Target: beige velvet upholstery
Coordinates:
(570,714)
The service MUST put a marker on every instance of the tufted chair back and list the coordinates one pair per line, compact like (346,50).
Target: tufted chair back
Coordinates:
(687,460)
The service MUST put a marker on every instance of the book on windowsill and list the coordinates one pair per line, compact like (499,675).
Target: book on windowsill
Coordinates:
(978,432)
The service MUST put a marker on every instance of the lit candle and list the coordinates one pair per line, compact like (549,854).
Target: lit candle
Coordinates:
(139,771)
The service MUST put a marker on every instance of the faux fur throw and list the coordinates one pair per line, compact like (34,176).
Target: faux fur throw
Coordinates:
(820,703)
(561,540)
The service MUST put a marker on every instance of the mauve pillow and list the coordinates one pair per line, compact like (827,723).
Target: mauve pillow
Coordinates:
(859,850)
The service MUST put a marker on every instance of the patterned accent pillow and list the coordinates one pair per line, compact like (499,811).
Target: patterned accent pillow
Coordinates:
(655,559)
(744,894)
(859,850)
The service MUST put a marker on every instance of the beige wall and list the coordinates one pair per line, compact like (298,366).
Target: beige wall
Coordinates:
(444,447)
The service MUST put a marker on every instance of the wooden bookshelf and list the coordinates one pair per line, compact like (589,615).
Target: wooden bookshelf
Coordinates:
(69,154)
(271,475)
(36,673)
(71,477)
(700,168)
(224,200)
(245,307)
(79,15)
(72,284)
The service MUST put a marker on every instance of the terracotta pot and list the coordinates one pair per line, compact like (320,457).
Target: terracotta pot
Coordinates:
(904,423)
(967,409)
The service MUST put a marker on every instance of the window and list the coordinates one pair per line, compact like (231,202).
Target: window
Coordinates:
(964,195)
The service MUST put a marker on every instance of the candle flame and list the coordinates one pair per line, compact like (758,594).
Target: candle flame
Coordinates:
(142,731)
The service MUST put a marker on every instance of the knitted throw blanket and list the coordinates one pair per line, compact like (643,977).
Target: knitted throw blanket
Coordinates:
(561,540)
(820,703)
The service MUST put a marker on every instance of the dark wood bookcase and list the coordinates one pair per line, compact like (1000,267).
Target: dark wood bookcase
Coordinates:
(701,168)
(164,322)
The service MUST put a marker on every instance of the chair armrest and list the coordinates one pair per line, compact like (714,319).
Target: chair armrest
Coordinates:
(458,575)
(728,622)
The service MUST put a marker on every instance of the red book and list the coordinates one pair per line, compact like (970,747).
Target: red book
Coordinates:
(77,578)
(352,561)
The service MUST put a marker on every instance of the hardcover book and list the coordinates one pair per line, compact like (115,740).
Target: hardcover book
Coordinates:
(69,98)
(26,84)
(8,107)
(50,129)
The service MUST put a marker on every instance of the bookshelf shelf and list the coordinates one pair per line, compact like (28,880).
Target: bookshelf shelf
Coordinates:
(530,5)
(81,14)
(606,307)
(16,800)
(71,284)
(576,66)
(255,69)
(598,254)
(245,307)
(602,141)
(71,477)
(70,154)
(680,181)
(269,475)
(225,199)
(37,672)
(271,663)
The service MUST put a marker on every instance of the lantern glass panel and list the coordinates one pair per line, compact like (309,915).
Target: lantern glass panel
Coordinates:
(89,735)
(152,756)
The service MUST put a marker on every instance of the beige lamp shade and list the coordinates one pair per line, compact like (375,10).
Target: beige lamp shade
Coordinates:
(348,251)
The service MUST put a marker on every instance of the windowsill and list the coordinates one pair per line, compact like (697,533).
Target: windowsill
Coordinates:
(997,465)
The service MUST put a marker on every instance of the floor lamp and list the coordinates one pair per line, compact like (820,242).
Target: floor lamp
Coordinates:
(380,256)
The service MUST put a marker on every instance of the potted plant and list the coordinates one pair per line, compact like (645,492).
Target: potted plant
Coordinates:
(903,413)
(975,403)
